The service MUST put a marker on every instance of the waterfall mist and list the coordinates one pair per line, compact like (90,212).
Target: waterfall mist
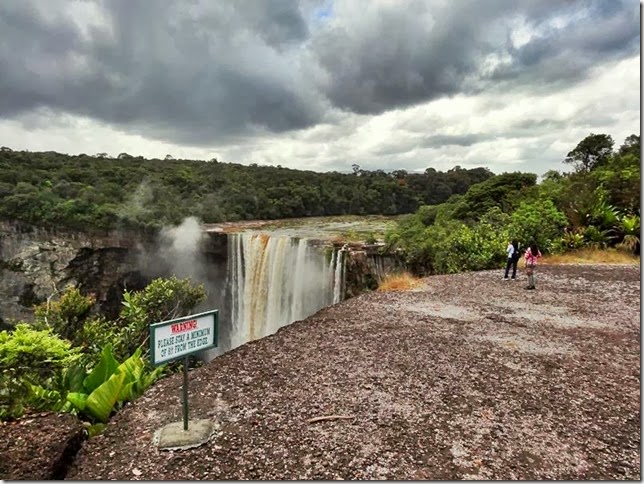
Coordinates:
(180,252)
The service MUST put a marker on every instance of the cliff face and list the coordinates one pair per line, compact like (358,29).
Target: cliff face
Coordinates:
(36,263)
(366,267)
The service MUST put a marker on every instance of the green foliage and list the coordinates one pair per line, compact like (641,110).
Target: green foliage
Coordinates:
(65,316)
(29,356)
(540,222)
(39,369)
(111,384)
(620,176)
(427,214)
(371,239)
(97,332)
(500,191)
(94,192)
(573,239)
(470,249)
(596,238)
(162,300)
(448,247)
(591,152)
(629,228)
(563,212)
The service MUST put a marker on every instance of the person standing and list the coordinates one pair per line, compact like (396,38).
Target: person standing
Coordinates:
(531,257)
(513,258)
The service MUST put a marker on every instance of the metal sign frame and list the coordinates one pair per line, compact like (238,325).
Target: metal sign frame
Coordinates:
(156,326)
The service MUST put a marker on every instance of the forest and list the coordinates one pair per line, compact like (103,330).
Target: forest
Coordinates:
(97,192)
(595,205)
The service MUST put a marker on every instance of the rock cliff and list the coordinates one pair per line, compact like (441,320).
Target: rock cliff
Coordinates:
(36,263)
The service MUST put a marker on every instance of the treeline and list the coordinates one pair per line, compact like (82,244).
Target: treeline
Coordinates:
(48,188)
(596,205)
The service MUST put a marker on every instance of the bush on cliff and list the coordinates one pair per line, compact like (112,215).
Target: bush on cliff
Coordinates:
(30,356)
(69,362)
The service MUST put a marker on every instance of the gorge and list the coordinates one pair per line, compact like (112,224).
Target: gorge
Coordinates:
(258,279)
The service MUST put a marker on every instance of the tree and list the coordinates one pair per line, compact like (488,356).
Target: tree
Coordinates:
(591,152)
(540,222)
(631,146)
(552,175)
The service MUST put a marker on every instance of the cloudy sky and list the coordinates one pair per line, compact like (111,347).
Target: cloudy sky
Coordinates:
(386,84)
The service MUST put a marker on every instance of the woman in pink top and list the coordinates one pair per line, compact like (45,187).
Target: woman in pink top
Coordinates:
(531,257)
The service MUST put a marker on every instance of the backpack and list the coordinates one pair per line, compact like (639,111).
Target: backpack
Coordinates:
(516,255)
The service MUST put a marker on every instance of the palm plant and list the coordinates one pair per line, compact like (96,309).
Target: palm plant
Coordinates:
(629,228)
(596,238)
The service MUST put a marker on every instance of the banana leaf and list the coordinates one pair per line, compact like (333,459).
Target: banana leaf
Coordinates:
(77,399)
(95,429)
(102,372)
(133,369)
(74,377)
(150,378)
(133,390)
(101,401)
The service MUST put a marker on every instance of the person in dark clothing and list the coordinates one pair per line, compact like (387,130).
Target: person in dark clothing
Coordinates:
(513,259)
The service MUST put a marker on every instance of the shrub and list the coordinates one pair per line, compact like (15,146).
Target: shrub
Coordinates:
(540,222)
(596,238)
(66,315)
(110,384)
(162,300)
(471,248)
(27,357)
(573,239)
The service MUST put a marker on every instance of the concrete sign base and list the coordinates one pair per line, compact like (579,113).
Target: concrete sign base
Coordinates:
(173,437)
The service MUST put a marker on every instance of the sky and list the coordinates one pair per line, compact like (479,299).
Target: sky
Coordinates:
(321,85)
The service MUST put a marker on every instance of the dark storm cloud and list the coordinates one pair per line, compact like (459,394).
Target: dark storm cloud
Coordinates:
(399,56)
(205,72)
(191,72)
(606,31)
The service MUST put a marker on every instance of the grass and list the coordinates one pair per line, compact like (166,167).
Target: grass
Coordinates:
(402,281)
(592,256)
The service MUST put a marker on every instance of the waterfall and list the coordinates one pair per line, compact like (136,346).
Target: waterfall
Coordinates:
(276,280)
(338,275)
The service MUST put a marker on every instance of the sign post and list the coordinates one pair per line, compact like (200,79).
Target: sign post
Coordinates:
(179,338)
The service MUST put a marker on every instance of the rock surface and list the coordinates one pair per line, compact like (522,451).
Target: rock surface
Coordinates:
(39,447)
(470,377)
(36,263)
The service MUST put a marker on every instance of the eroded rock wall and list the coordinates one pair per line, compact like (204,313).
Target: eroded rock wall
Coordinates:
(36,263)
(366,266)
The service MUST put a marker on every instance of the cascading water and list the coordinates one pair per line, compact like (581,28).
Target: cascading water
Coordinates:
(275,280)
(337,266)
